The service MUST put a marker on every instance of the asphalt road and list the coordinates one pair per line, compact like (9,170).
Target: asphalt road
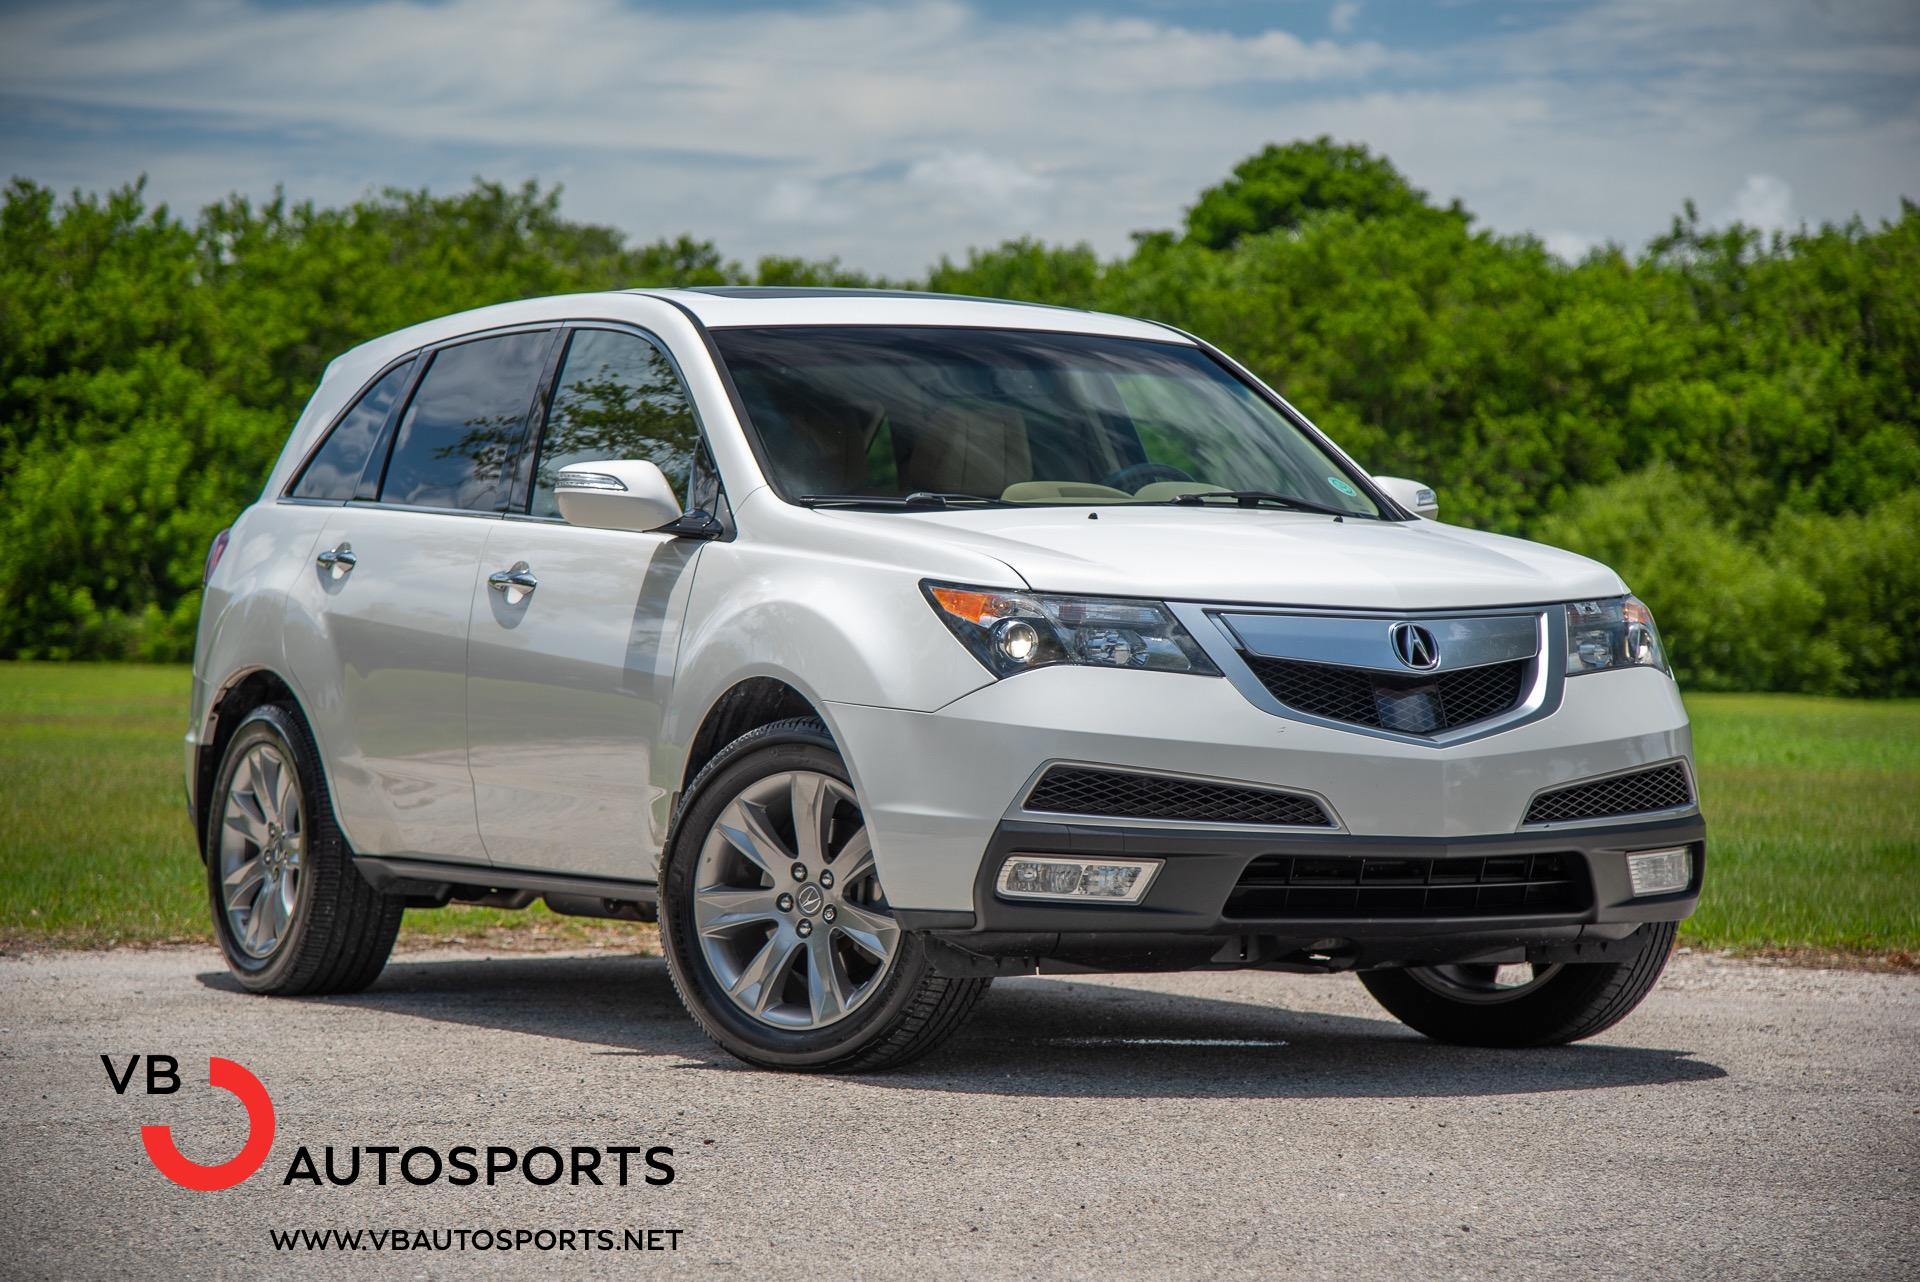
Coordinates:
(1748,1121)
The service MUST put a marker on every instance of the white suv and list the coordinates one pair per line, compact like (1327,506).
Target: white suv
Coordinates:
(885,643)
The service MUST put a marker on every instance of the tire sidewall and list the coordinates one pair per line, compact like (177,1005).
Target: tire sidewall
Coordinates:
(269,724)
(753,757)
(1581,1000)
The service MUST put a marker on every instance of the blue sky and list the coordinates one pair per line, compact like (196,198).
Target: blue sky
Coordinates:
(889,134)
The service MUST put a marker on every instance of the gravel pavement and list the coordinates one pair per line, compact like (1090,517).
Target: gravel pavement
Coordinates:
(1750,1120)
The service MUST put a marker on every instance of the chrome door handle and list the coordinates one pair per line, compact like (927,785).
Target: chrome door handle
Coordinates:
(340,560)
(516,582)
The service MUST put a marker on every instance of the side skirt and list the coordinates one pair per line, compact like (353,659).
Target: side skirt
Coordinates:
(429,883)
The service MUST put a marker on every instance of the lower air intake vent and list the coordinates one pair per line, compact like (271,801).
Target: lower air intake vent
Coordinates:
(1661,788)
(1294,886)
(1119,794)
(1407,702)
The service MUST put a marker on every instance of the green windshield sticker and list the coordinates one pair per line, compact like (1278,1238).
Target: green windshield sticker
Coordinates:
(1344,486)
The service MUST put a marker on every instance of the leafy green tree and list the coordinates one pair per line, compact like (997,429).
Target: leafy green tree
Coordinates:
(1285,186)
(1023,269)
(1731,419)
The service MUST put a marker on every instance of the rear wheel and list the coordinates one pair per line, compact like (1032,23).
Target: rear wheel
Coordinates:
(1526,1004)
(291,912)
(777,931)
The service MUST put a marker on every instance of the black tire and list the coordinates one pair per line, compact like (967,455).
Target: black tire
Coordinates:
(912,1011)
(1575,1002)
(341,929)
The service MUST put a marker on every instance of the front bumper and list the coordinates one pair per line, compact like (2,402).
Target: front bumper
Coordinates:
(937,787)
(1190,915)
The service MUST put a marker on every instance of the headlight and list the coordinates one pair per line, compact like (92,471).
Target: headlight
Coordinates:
(1013,631)
(1615,633)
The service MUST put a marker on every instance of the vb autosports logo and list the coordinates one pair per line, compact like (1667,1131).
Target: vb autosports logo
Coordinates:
(418,1164)
(163,1078)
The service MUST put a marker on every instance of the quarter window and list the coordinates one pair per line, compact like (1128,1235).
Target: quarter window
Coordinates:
(617,397)
(457,440)
(334,472)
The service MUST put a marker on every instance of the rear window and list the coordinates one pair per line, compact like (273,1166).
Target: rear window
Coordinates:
(334,471)
(460,433)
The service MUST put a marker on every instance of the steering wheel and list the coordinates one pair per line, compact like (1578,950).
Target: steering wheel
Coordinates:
(1137,475)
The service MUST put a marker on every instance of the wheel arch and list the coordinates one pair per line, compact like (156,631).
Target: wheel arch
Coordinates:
(243,692)
(746,705)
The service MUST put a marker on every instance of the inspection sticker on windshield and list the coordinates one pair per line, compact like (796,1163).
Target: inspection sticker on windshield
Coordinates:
(1343,485)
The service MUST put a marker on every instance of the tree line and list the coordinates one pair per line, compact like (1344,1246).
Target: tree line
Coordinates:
(1732,420)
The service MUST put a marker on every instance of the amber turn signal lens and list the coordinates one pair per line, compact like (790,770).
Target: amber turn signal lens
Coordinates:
(974,607)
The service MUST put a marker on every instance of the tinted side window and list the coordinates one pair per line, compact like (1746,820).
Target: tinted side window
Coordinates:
(458,437)
(335,470)
(617,397)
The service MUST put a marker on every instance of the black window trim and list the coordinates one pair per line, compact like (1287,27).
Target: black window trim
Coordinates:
(520,502)
(520,493)
(380,436)
(391,432)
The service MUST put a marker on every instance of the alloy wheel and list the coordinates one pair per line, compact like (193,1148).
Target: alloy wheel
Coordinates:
(788,910)
(262,841)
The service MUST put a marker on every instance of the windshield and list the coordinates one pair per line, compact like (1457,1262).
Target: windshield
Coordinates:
(1018,416)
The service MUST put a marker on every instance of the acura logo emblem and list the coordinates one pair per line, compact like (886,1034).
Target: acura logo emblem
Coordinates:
(1415,646)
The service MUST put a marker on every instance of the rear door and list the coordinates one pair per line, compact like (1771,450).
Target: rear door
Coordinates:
(568,682)
(392,588)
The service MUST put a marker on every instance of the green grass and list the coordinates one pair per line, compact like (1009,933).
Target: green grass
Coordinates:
(1813,807)
(1813,822)
(95,847)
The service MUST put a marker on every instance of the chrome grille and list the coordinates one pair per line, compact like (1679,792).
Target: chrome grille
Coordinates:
(1120,794)
(1661,788)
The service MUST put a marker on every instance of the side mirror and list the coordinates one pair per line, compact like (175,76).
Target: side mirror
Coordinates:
(1415,497)
(615,494)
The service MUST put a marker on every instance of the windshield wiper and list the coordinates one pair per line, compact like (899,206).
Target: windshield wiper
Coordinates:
(919,498)
(1249,498)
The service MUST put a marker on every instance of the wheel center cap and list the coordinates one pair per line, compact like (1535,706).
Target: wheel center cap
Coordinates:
(810,899)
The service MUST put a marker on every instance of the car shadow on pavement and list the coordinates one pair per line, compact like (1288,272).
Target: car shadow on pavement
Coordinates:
(1029,1037)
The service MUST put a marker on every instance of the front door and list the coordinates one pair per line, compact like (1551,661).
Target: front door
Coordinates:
(566,688)
(572,652)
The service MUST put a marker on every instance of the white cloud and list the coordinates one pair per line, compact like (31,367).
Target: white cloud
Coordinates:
(983,180)
(794,200)
(1763,202)
(1342,16)
(1570,246)
(890,134)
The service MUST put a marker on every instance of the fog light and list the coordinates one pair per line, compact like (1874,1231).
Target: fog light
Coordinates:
(1660,872)
(1046,877)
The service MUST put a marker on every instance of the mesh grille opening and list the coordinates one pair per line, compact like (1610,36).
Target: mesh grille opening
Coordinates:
(1119,794)
(1411,703)
(1354,886)
(1661,788)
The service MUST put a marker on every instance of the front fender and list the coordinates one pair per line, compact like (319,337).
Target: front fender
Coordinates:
(837,630)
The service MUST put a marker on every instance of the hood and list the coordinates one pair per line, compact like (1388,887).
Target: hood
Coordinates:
(1266,557)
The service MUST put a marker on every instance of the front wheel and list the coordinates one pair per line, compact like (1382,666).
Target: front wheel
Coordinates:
(777,931)
(1522,1005)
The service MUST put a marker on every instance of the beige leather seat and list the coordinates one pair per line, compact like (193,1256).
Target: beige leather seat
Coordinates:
(975,448)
